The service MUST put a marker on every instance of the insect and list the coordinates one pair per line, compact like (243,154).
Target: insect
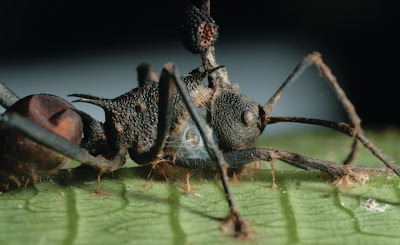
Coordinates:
(173,119)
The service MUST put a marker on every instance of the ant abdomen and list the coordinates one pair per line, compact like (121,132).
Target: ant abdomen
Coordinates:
(23,161)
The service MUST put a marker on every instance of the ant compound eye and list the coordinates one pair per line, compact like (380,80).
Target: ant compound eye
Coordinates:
(248,117)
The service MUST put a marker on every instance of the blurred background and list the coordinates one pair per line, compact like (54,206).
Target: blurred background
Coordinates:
(63,47)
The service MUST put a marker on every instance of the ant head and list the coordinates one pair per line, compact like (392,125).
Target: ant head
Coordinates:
(235,120)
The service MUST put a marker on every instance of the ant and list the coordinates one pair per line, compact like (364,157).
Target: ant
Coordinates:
(39,133)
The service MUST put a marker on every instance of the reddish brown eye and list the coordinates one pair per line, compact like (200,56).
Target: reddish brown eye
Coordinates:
(248,117)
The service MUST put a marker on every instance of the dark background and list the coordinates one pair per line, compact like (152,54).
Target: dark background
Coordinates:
(357,38)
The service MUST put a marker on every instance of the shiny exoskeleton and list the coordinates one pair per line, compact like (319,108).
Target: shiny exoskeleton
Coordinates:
(23,161)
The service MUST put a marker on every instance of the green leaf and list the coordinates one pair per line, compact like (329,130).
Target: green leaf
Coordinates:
(306,209)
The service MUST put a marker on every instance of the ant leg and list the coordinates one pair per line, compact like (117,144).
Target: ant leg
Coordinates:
(238,158)
(7,97)
(346,103)
(274,186)
(256,164)
(167,91)
(188,188)
(216,157)
(315,58)
(346,129)
(59,144)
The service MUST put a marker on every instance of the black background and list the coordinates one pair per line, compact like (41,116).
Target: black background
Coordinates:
(362,35)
